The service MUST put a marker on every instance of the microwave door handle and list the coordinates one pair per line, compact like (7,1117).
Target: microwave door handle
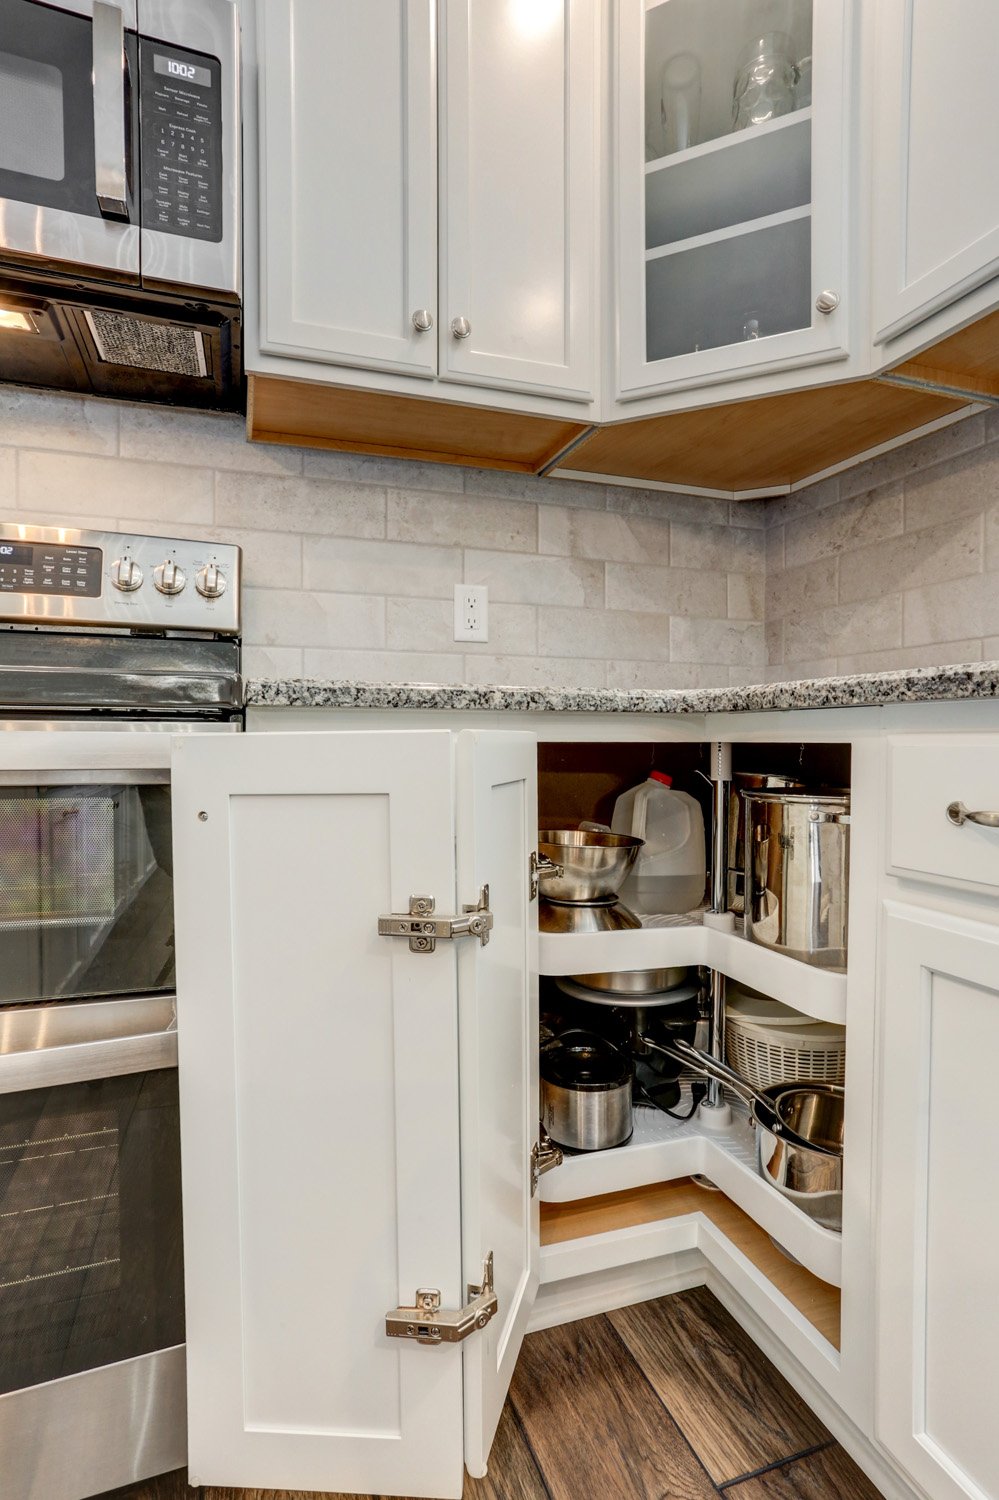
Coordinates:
(109,110)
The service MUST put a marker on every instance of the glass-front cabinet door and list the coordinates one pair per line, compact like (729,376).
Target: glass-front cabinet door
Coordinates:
(731,159)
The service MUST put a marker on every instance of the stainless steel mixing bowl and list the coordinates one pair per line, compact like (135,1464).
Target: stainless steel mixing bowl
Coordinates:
(594,865)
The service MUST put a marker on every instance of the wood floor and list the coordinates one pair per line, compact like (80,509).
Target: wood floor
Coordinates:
(667,1400)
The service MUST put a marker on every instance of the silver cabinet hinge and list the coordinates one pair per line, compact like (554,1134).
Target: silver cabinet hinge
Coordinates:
(424,930)
(544,1156)
(541,866)
(427,1324)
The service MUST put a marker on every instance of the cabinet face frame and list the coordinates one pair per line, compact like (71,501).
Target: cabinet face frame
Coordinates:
(287,327)
(468,154)
(902,299)
(832,218)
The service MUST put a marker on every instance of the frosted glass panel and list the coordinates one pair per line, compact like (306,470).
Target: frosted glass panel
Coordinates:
(752,284)
(31,118)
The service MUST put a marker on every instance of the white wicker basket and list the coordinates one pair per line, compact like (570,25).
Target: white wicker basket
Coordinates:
(785,1049)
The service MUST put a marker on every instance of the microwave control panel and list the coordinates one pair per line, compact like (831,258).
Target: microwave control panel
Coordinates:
(180,124)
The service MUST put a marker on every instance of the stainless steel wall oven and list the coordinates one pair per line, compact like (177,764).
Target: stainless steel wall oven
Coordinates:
(96,679)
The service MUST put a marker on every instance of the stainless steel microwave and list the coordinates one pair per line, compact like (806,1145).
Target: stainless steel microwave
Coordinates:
(120,196)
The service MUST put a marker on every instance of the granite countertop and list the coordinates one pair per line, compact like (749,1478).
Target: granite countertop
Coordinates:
(871,689)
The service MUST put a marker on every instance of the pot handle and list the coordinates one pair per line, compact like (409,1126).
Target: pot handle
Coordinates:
(706,1066)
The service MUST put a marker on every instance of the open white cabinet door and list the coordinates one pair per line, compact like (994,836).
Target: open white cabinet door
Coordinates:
(319,1108)
(498,1040)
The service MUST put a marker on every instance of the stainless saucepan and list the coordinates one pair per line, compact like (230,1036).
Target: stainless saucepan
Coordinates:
(591,866)
(586,1092)
(799,1133)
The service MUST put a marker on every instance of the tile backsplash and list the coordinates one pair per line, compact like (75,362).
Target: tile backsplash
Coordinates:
(350,561)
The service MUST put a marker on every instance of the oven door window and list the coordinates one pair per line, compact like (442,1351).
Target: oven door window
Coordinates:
(86,892)
(91,1268)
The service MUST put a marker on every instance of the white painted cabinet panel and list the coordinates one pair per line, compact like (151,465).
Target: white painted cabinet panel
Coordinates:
(348,181)
(520,187)
(936,198)
(938,1210)
(927,774)
(321,1107)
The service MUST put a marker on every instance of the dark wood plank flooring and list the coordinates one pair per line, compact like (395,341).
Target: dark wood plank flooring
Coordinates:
(667,1400)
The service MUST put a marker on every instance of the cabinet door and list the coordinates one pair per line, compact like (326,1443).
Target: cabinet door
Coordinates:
(520,175)
(498,1041)
(730,228)
(936,199)
(319,1110)
(348,181)
(937,1312)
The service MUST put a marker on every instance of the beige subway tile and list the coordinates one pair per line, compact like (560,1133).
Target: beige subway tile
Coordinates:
(910,457)
(949,653)
(332,664)
(77,484)
(948,612)
(575,493)
(602,536)
(671,591)
(992,538)
(322,507)
(523,579)
(272,661)
(805,671)
(912,560)
(21,515)
(362,567)
(773,635)
(990,648)
(965,486)
(753,513)
(844,526)
(8,481)
(610,633)
(733,549)
(746,593)
(815,497)
(843,627)
(535,671)
(210,439)
(428,625)
(731,643)
(46,419)
(667,505)
(774,549)
(807,588)
(747,676)
(291,617)
(463,521)
(364,468)
(665,677)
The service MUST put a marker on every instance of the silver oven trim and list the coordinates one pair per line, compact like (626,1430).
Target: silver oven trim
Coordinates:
(210,26)
(96,1431)
(65,1042)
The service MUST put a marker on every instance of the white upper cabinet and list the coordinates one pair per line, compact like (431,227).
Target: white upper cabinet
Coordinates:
(519,193)
(731,154)
(356,1117)
(348,181)
(938,1204)
(936,189)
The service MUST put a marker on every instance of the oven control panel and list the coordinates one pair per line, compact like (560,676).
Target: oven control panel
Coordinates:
(54,576)
(180,115)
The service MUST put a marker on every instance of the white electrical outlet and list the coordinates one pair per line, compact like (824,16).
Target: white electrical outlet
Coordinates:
(471,612)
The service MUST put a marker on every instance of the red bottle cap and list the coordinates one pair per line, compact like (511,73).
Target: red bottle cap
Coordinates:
(661,776)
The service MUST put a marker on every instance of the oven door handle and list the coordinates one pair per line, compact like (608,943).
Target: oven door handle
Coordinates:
(110,161)
(51,1045)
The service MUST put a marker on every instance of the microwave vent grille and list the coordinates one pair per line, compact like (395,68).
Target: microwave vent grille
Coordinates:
(145,345)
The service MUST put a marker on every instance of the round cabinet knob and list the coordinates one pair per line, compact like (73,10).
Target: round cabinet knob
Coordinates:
(210,581)
(461,328)
(423,320)
(168,578)
(126,574)
(827,302)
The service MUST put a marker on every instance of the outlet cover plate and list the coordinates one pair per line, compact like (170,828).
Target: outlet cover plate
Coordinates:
(471,612)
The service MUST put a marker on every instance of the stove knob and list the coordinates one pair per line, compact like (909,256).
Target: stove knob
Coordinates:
(168,578)
(126,574)
(210,581)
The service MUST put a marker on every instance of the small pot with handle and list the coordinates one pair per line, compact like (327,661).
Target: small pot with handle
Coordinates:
(586,1092)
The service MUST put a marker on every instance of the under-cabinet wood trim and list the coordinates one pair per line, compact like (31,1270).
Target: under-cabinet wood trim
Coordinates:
(966,363)
(816,1300)
(346,419)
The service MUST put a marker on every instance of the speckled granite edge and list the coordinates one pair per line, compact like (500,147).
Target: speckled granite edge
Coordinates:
(872,689)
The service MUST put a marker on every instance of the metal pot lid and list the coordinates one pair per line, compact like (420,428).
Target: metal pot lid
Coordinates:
(583,1061)
(625,1001)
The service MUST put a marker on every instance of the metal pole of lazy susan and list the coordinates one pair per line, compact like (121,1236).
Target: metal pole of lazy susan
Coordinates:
(714,1112)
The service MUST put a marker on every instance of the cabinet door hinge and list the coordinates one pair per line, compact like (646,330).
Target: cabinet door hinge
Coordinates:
(427,1324)
(541,866)
(544,1156)
(425,931)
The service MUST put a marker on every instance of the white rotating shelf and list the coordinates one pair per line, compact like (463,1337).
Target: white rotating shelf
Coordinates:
(663,1149)
(817,992)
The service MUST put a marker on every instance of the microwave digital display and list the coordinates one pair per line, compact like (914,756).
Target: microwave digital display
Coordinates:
(180,106)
